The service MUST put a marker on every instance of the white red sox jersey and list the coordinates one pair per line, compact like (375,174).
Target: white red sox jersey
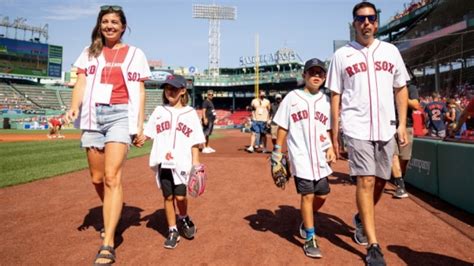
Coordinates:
(134,69)
(307,119)
(174,131)
(366,77)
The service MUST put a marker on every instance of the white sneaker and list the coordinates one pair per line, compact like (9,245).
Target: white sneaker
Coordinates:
(250,149)
(211,149)
(206,150)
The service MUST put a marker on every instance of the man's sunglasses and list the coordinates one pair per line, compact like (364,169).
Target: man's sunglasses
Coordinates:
(361,19)
(313,72)
(107,7)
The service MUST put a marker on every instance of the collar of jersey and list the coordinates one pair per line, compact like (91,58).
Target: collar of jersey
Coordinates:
(310,94)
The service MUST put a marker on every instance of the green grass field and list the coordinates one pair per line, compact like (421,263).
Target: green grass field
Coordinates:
(23,162)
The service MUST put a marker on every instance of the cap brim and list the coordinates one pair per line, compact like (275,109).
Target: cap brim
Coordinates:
(173,83)
(316,65)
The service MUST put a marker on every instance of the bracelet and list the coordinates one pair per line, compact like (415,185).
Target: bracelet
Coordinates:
(276,147)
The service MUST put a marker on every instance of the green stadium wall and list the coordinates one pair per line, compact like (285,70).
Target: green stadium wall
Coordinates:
(443,169)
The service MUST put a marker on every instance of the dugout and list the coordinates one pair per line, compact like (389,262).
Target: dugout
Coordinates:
(234,88)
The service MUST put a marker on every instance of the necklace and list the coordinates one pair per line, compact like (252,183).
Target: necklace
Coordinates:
(107,76)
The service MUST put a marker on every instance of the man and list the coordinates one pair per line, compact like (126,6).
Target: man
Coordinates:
(363,77)
(435,113)
(273,110)
(403,153)
(208,118)
(260,115)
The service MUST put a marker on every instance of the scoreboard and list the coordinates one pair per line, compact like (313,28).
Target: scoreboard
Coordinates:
(34,59)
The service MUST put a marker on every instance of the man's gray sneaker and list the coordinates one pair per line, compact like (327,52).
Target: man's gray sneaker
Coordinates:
(302,231)
(400,193)
(359,234)
(188,228)
(374,256)
(172,240)
(311,248)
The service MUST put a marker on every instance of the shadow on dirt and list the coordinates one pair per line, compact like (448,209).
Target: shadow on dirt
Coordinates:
(157,222)
(284,222)
(130,217)
(413,257)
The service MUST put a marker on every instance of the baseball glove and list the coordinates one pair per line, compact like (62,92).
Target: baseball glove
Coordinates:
(280,169)
(197,180)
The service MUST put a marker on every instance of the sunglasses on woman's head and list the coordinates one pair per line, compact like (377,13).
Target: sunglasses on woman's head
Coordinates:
(107,7)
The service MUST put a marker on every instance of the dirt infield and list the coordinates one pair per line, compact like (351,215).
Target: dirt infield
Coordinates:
(242,219)
(35,137)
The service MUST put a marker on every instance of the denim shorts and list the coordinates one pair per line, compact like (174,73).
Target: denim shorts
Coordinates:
(258,127)
(112,126)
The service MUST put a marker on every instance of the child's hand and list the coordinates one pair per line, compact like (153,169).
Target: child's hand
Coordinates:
(330,155)
(139,140)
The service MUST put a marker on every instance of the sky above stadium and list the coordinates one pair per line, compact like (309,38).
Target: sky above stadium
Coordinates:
(165,29)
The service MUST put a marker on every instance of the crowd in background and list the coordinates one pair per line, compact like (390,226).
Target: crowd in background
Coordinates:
(412,6)
(447,113)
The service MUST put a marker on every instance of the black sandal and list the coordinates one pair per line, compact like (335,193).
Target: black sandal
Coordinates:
(110,256)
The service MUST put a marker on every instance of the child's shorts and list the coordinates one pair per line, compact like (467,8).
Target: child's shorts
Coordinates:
(318,188)
(112,126)
(167,184)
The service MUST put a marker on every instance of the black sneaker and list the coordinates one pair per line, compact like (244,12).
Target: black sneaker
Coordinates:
(374,256)
(188,228)
(400,193)
(359,235)
(172,240)
(311,248)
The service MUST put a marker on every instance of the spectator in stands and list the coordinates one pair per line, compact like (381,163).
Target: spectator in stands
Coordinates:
(111,106)
(435,113)
(273,110)
(260,116)
(466,113)
(403,153)
(208,118)
(454,112)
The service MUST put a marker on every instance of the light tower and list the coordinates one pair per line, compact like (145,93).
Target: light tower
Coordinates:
(214,14)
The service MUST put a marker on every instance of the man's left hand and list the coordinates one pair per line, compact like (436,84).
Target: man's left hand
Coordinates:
(402,136)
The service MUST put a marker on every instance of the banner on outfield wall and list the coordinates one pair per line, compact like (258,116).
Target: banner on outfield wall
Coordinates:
(422,170)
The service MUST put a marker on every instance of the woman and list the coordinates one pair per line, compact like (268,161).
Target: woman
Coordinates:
(108,102)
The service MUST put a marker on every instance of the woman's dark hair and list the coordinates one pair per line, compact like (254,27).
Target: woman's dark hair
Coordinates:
(97,39)
(362,5)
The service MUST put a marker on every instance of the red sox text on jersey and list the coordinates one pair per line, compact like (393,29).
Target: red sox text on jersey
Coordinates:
(362,67)
(166,125)
(318,116)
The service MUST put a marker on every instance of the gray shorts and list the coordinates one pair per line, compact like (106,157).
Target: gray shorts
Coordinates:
(207,129)
(274,131)
(112,125)
(370,158)
(318,188)
(437,133)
